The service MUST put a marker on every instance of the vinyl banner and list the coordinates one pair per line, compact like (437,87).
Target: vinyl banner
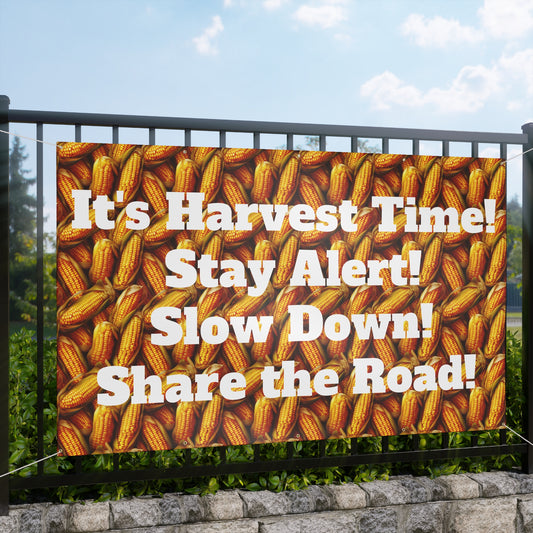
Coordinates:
(219,296)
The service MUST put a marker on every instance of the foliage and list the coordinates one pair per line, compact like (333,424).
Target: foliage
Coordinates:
(23,444)
(23,245)
(514,240)
(312,142)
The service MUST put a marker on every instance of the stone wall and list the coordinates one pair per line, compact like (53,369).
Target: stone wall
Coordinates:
(495,501)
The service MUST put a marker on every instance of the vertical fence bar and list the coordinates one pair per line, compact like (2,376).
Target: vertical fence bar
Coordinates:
(40,297)
(527,278)
(4,305)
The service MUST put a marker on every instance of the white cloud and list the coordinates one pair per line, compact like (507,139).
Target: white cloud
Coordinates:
(468,92)
(438,31)
(273,4)
(327,14)
(520,67)
(386,90)
(500,19)
(228,3)
(507,19)
(204,42)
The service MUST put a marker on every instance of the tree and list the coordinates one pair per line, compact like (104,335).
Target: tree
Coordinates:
(22,236)
(312,142)
(514,239)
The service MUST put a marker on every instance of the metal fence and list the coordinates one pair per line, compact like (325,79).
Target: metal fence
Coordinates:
(255,133)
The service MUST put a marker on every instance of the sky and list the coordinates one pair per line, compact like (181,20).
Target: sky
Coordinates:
(438,65)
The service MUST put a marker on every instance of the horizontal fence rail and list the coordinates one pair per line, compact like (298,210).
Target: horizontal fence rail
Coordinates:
(356,454)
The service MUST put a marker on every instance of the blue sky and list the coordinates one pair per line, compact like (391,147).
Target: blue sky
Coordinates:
(440,64)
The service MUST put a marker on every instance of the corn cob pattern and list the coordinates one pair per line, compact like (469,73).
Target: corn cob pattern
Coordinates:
(113,277)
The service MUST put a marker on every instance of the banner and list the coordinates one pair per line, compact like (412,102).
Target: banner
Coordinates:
(219,296)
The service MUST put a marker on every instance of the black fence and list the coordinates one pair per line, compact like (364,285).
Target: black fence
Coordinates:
(254,135)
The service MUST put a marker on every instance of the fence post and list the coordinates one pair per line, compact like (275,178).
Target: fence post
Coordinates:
(527,280)
(4,305)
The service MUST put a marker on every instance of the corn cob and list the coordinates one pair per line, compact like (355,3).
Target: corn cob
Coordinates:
(118,152)
(382,421)
(78,392)
(395,300)
(81,307)
(154,434)
(172,298)
(67,236)
(235,354)
(156,154)
(477,184)
(70,152)
(460,400)
(70,274)
(104,175)
(410,408)
(264,179)
(459,302)
(495,299)
(309,425)
(477,262)
(166,173)
(103,262)
(70,439)
(210,422)
(234,430)
(234,238)
(431,260)
(105,336)
(130,261)
(495,372)
(450,343)
(361,415)
(496,334)
(431,411)
(340,180)
(477,406)
(384,238)
(157,232)
(288,181)
(432,186)
(410,185)
(128,302)
(496,414)
(287,418)
(131,334)
(363,182)
(245,176)
(452,272)
(460,328)
(310,192)
(385,349)
(130,426)
(70,357)
(154,192)
(337,420)
(498,262)
(234,157)
(452,417)
(263,419)
(103,428)
(186,419)
(156,357)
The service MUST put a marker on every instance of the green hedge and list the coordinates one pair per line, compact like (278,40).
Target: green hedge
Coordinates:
(23,443)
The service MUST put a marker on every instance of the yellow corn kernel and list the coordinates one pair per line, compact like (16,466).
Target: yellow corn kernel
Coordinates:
(129,262)
(287,418)
(210,422)
(361,415)
(103,262)
(103,428)
(130,341)
(154,434)
(477,406)
(409,411)
(83,306)
(154,192)
(265,177)
(70,439)
(156,154)
(431,411)
(130,427)
(382,421)
(186,419)
(288,181)
(497,185)
(432,186)
(234,430)
(495,416)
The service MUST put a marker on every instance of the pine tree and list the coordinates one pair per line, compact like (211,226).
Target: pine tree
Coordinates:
(22,235)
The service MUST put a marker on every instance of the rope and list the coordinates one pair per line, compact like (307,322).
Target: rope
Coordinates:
(30,464)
